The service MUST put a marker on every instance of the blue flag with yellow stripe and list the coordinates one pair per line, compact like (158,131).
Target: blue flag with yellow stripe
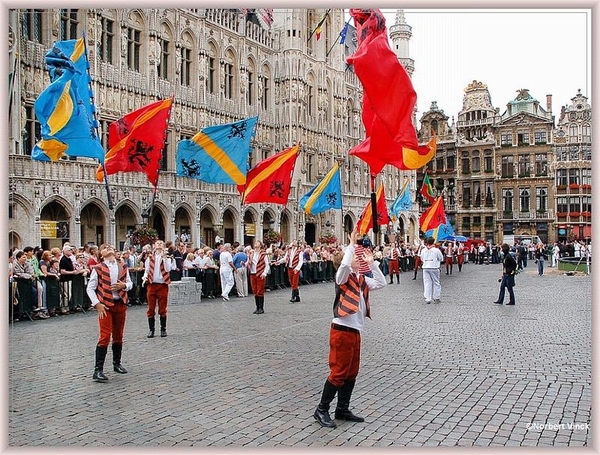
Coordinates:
(441,232)
(64,109)
(218,154)
(403,202)
(327,194)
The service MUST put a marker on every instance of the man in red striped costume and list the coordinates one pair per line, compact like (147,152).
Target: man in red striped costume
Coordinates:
(157,268)
(393,261)
(294,258)
(258,266)
(350,308)
(107,289)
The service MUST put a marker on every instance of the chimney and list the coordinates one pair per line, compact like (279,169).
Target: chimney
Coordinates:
(549,103)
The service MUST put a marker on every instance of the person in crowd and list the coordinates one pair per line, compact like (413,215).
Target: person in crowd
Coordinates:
(460,255)
(23,274)
(226,270)
(361,245)
(142,286)
(258,265)
(521,256)
(179,255)
(418,262)
(350,310)
(539,256)
(209,285)
(294,259)
(450,252)
(431,258)
(156,274)
(555,254)
(394,262)
(509,268)
(78,284)
(189,267)
(240,260)
(67,270)
(107,289)
(52,278)
(36,278)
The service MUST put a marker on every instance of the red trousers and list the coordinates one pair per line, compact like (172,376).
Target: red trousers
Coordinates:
(257,284)
(113,323)
(294,278)
(417,262)
(461,259)
(393,266)
(157,292)
(344,356)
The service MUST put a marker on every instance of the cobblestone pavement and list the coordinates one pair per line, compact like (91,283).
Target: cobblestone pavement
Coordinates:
(464,372)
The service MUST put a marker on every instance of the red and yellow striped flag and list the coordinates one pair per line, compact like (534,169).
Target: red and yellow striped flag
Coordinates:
(271,179)
(433,216)
(365,221)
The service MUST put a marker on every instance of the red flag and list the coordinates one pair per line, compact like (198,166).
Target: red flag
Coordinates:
(365,221)
(433,216)
(388,102)
(136,141)
(271,179)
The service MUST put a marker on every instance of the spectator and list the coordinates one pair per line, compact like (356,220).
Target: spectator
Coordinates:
(540,256)
(226,269)
(27,285)
(240,260)
(431,258)
(509,267)
(210,275)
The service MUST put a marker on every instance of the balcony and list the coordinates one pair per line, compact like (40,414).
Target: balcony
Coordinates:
(528,216)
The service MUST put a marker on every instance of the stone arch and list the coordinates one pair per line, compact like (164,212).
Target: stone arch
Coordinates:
(93,221)
(208,219)
(250,217)
(287,226)
(349,222)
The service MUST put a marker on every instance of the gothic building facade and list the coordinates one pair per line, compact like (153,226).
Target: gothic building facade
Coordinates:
(221,65)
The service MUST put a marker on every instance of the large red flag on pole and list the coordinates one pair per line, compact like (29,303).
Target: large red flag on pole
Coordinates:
(136,141)
(388,102)
(271,179)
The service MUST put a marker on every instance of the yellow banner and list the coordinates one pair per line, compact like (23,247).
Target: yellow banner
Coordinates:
(48,229)
(250,229)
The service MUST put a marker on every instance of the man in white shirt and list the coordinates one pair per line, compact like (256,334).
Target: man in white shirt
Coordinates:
(107,289)
(226,269)
(156,273)
(431,258)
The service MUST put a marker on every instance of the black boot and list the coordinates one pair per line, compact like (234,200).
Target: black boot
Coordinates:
(297,291)
(98,369)
(261,305)
(256,299)
(342,410)
(293,297)
(117,349)
(398,278)
(151,325)
(391,279)
(321,414)
(163,326)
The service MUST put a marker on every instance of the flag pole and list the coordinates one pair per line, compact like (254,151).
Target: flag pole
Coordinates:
(111,205)
(338,37)
(318,25)
(374,208)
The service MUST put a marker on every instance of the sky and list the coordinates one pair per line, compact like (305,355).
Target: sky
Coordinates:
(545,51)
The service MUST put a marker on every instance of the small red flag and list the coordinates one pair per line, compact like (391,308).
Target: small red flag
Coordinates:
(365,221)
(136,141)
(271,179)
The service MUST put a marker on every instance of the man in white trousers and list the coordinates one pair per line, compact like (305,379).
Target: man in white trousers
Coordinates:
(431,258)
(226,270)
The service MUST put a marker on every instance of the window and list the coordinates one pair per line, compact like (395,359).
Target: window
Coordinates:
(524,199)
(265,91)
(228,75)
(68,24)
(489,194)
(210,80)
(488,161)
(586,204)
(107,38)
(507,200)
(561,153)
(32,131)
(163,157)
(466,163)
(477,193)
(185,76)
(310,166)
(561,177)
(451,162)
(523,138)
(32,25)
(104,133)
(540,137)
(524,165)
(466,194)
(476,161)
(133,48)
(586,134)
(165,54)
(541,199)
(586,176)
(574,153)
(476,221)
(561,204)
(508,166)
(439,163)
(250,89)
(573,176)
(310,100)
(505,139)
(541,164)
(586,151)
(466,221)
(575,204)
(573,133)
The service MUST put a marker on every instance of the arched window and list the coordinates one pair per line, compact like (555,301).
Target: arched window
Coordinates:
(476,163)
(185,60)
(466,163)
(265,87)
(251,88)
(212,69)
(229,72)
(166,51)
(507,200)
(573,133)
